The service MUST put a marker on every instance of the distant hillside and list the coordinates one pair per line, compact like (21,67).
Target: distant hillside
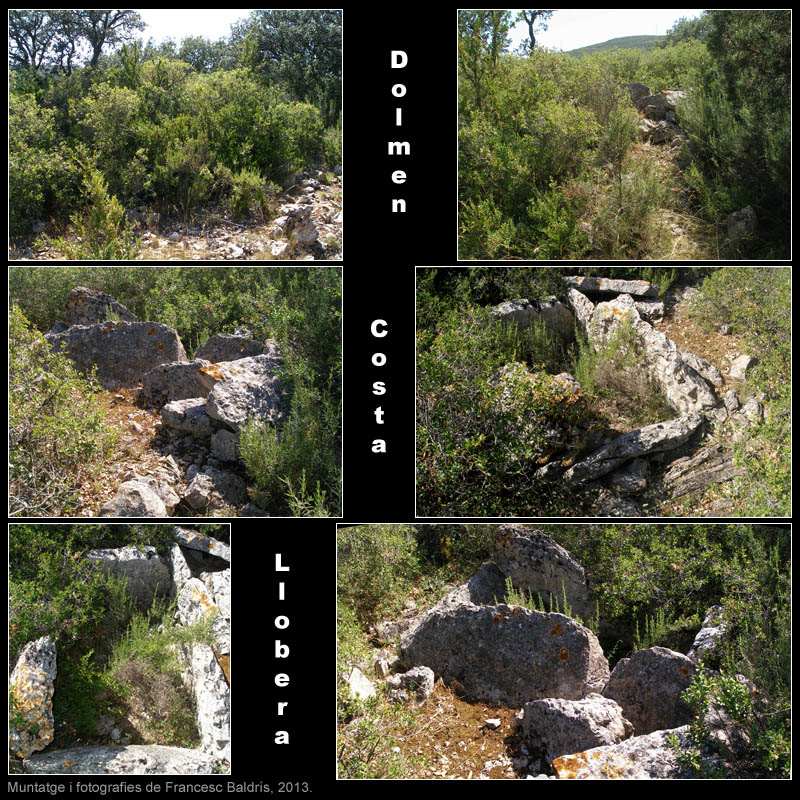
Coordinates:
(620,43)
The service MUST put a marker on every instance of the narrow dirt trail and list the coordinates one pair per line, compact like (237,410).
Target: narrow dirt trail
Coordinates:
(682,235)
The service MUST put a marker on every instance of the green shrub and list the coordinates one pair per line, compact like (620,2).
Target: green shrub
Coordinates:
(249,192)
(99,232)
(58,434)
(375,566)
(481,434)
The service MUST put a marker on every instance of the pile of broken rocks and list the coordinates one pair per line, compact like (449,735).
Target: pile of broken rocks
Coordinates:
(678,456)
(196,574)
(577,718)
(203,403)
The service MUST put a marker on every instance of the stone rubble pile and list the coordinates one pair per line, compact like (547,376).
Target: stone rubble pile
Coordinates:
(197,574)
(575,716)
(203,403)
(619,468)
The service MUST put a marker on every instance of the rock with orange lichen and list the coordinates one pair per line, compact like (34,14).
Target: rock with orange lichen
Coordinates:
(31,698)
(194,540)
(654,755)
(648,686)
(506,654)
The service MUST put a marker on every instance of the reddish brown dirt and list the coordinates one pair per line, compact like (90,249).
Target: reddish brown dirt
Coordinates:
(134,450)
(453,740)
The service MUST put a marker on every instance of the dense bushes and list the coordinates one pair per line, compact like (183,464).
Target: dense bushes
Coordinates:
(546,164)
(485,422)
(296,470)
(57,429)
(163,133)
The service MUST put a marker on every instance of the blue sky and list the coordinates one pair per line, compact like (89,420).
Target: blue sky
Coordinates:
(571,28)
(178,23)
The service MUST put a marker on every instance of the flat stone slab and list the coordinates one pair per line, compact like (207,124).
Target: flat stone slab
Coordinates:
(551,312)
(232,346)
(592,285)
(656,438)
(194,540)
(554,727)
(134,759)
(648,686)
(640,757)
(147,576)
(188,416)
(122,352)
(177,380)
(248,388)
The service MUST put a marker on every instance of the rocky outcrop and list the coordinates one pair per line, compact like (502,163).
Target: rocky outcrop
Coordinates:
(683,387)
(554,727)
(31,698)
(648,686)
(233,346)
(550,312)
(121,352)
(248,388)
(212,489)
(709,636)
(540,567)
(89,306)
(145,573)
(612,286)
(133,759)
(188,416)
(657,438)
(507,654)
(709,465)
(641,757)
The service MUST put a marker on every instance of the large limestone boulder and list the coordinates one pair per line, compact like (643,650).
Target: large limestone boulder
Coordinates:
(709,636)
(550,312)
(122,352)
(555,727)
(248,388)
(506,654)
(144,571)
(133,759)
(177,380)
(539,566)
(657,438)
(232,346)
(641,757)
(31,698)
(89,306)
(612,286)
(683,387)
(648,686)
